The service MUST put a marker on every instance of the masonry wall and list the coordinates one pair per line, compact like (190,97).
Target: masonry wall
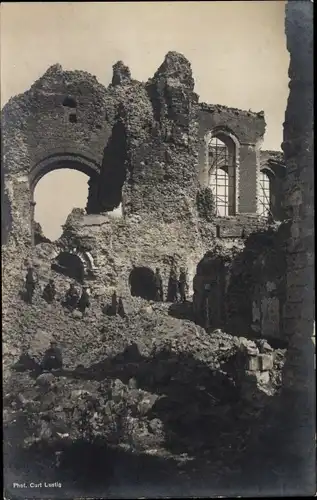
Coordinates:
(162,144)
(251,291)
(40,122)
(140,146)
(246,276)
(136,140)
(298,380)
(37,131)
(119,245)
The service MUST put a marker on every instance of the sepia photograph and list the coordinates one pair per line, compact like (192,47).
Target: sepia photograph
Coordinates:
(157,223)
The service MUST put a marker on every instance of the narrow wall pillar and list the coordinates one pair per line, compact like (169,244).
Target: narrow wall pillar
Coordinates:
(247,182)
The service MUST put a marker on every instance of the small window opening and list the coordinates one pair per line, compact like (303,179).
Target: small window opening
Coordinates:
(73,118)
(69,102)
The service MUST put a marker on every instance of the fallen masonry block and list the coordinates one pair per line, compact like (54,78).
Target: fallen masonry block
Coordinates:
(263,346)
(45,379)
(77,314)
(248,347)
(263,378)
(266,362)
(253,363)
(256,377)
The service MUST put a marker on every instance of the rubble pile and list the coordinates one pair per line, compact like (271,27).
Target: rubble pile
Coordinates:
(147,381)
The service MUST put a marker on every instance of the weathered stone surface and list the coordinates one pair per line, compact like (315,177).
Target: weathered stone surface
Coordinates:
(155,425)
(255,386)
(77,314)
(38,234)
(121,74)
(78,393)
(263,378)
(253,363)
(132,384)
(297,405)
(247,284)
(266,362)
(117,390)
(38,342)
(263,346)
(229,232)
(146,403)
(45,379)
(248,346)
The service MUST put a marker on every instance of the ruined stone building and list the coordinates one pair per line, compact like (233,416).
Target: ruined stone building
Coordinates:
(298,408)
(189,177)
(194,189)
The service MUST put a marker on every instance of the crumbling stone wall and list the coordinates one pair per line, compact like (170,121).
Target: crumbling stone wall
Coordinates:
(38,136)
(136,142)
(155,137)
(247,283)
(298,380)
(268,285)
(174,138)
(252,271)
(120,245)
(254,363)
(141,146)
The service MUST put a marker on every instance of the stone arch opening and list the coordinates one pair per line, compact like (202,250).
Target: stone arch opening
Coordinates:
(142,283)
(74,171)
(57,161)
(221,155)
(271,179)
(70,265)
(87,259)
(68,186)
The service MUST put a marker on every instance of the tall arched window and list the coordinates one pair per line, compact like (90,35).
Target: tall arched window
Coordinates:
(264,194)
(222,176)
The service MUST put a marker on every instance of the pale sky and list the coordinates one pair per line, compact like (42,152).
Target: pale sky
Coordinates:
(237,50)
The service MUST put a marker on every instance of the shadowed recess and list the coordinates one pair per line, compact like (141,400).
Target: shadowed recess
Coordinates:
(142,283)
(69,265)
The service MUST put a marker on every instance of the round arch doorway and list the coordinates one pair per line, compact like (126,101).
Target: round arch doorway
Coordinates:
(69,265)
(142,283)
(66,162)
